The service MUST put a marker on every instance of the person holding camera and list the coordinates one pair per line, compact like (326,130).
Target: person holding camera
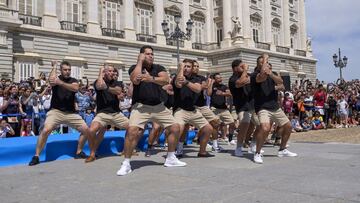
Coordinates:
(13,109)
(5,129)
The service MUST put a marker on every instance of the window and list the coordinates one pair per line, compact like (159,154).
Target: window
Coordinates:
(171,22)
(112,15)
(26,7)
(293,36)
(3,39)
(219,36)
(198,2)
(145,21)
(276,28)
(255,23)
(198,30)
(256,35)
(76,72)
(73,11)
(3,2)
(26,70)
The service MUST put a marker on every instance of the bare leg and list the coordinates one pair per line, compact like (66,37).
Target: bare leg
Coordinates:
(285,132)
(242,133)
(42,139)
(261,135)
(174,132)
(204,138)
(84,134)
(131,139)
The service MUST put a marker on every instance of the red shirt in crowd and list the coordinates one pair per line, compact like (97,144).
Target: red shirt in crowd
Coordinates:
(320,98)
(288,105)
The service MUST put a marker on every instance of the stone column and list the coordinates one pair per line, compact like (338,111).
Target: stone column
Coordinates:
(286,24)
(246,24)
(50,19)
(227,28)
(209,24)
(302,19)
(130,32)
(184,18)
(158,19)
(267,22)
(93,26)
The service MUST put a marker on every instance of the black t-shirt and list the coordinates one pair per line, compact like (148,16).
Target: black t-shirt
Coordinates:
(184,97)
(201,101)
(63,99)
(265,95)
(148,93)
(105,101)
(243,98)
(218,101)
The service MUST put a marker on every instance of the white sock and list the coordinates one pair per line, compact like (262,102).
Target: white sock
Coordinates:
(215,144)
(170,155)
(126,161)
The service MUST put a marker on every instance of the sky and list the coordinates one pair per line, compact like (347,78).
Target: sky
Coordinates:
(334,24)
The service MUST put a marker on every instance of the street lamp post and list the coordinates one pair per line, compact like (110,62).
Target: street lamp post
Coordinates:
(178,34)
(341,63)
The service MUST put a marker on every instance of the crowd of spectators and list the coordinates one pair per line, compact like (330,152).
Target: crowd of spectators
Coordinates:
(321,106)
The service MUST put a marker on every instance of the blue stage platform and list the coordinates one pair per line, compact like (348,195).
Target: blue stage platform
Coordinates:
(19,150)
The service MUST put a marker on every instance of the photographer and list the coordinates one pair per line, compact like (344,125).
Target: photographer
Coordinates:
(5,129)
(13,106)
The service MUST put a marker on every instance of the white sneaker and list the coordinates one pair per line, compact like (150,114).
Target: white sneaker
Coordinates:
(252,149)
(174,162)
(124,170)
(208,147)
(238,152)
(233,142)
(258,158)
(286,153)
(217,150)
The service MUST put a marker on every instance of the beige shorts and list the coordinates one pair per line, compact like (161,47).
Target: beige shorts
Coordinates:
(234,115)
(278,116)
(141,114)
(207,113)
(194,118)
(56,117)
(224,115)
(248,116)
(116,119)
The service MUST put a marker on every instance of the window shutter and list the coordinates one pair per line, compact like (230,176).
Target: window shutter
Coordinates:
(22,6)
(76,12)
(69,11)
(29,6)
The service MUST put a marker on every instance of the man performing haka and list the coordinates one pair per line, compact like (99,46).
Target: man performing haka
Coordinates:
(263,80)
(148,79)
(62,110)
(219,92)
(240,87)
(107,107)
(186,91)
(200,106)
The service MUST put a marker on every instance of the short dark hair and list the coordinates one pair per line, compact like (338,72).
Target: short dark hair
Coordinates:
(216,74)
(258,60)
(142,49)
(65,63)
(189,61)
(236,63)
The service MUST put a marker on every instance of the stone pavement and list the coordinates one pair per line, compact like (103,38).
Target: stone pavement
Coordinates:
(322,173)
